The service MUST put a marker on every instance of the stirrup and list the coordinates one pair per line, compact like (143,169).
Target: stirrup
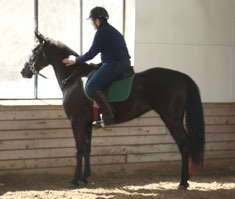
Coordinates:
(99,124)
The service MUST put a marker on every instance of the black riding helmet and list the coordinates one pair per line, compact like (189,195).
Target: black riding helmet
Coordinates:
(98,12)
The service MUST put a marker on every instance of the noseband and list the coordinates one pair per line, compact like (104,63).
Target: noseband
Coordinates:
(33,62)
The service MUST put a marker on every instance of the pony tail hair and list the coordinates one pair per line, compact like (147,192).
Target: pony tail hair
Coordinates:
(195,125)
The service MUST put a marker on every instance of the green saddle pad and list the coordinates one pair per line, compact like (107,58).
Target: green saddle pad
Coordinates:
(118,91)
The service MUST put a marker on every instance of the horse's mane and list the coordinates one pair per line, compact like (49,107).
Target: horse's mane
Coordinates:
(63,47)
(79,69)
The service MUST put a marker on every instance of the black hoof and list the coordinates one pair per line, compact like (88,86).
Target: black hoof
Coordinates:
(72,186)
(183,187)
(81,183)
(77,184)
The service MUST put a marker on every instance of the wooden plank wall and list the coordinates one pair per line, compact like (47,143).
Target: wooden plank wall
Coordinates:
(40,137)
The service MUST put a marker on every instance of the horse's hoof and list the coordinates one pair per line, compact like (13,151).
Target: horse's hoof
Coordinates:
(77,184)
(72,186)
(182,188)
(81,183)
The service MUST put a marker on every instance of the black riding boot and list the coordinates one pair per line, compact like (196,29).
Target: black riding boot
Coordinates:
(107,113)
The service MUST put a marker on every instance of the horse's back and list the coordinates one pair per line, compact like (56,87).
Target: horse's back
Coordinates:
(163,79)
(162,87)
(162,74)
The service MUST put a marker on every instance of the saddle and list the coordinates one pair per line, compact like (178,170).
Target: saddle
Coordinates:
(118,90)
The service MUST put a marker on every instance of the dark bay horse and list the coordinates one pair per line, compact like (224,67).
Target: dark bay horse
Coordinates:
(171,94)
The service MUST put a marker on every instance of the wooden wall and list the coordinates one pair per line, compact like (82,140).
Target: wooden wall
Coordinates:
(39,137)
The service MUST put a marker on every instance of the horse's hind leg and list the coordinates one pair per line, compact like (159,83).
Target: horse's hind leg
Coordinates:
(183,146)
(176,128)
(178,133)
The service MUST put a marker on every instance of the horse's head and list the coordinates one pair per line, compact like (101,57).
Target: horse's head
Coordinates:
(37,59)
(50,52)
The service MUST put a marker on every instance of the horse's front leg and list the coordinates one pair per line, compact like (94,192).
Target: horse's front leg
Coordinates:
(78,177)
(87,169)
(80,139)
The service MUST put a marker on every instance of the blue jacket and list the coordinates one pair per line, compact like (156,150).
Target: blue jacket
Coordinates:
(110,43)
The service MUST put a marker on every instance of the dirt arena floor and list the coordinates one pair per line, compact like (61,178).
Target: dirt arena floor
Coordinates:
(121,187)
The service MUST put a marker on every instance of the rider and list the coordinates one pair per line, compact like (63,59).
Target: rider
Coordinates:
(114,56)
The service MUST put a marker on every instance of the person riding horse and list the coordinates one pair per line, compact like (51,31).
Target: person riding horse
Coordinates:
(172,94)
(115,61)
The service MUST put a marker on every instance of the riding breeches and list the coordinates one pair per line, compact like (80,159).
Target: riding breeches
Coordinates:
(105,74)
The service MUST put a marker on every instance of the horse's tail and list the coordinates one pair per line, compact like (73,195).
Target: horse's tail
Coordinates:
(195,126)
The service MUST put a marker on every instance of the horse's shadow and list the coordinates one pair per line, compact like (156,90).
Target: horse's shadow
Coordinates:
(104,187)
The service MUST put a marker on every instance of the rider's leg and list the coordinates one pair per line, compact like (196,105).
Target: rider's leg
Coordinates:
(103,76)
(106,110)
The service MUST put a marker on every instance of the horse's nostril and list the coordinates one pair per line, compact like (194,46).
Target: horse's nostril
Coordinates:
(22,72)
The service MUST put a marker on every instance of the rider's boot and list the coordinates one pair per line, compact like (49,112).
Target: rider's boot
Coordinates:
(107,117)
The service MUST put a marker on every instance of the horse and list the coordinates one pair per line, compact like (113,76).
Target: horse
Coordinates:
(171,94)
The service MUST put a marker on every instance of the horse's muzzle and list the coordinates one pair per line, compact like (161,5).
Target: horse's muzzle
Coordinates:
(26,71)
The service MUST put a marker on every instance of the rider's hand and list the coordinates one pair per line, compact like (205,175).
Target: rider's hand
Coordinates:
(70,60)
(95,66)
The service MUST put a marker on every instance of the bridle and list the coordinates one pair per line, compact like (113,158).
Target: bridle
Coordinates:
(32,62)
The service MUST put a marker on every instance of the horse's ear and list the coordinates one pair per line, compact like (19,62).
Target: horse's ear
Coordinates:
(39,36)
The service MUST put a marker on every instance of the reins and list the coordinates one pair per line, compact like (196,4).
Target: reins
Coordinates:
(73,74)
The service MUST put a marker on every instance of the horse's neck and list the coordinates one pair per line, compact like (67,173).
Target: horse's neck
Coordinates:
(56,60)
(59,73)
(60,70)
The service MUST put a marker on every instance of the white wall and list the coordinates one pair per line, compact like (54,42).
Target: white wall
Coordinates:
(193,36)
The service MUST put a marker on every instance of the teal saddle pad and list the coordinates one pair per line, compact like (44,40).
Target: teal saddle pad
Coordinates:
(119,90)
